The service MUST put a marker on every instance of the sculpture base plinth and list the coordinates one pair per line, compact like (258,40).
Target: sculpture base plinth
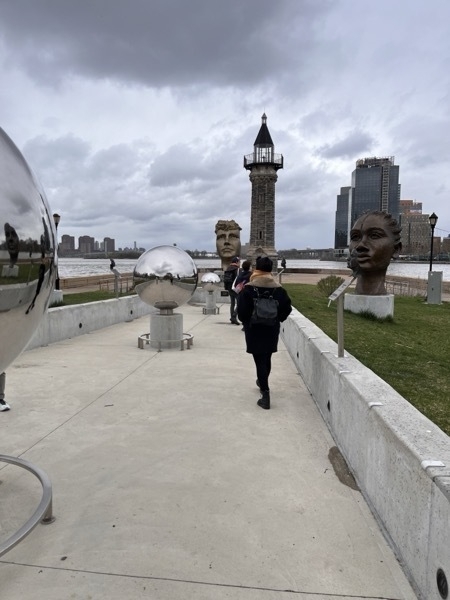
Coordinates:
(210,307)
(166,330)
(8,271)
(380,306)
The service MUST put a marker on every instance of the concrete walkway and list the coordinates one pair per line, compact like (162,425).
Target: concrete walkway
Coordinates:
(170,483)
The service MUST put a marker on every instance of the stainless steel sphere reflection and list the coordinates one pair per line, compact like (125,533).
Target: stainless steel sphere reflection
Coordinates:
(165,277)
(27,252)
(210,281)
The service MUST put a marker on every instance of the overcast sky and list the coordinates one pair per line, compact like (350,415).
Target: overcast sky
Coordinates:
(135,115)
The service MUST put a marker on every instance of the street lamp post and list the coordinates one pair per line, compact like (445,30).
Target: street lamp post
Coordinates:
(433,220)
(434,291)
(56,220)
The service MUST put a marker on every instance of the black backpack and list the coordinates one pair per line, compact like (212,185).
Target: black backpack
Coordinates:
(265,309)
(228,277)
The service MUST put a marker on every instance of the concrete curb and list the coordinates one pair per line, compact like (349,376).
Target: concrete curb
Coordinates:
(400,459)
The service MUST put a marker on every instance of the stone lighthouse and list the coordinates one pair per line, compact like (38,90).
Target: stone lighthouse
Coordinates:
(263,165)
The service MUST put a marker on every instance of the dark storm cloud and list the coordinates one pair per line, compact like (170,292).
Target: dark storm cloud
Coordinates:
(354,144)
(158,42)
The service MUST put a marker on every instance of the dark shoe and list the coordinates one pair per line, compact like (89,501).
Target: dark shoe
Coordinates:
(234,321)
(264,401)
(4,406)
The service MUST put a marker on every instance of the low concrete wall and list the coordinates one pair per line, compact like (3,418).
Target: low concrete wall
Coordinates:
(394,452)
(65,322)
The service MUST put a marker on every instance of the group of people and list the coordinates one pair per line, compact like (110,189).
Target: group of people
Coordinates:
(261,339)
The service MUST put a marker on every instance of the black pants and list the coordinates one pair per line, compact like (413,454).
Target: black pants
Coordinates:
(263,364)
(233,305)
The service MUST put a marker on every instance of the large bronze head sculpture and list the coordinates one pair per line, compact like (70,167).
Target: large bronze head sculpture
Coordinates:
(228,241)
(374,241)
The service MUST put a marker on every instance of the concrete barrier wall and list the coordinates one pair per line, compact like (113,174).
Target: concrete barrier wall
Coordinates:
(65,322)
(400,459)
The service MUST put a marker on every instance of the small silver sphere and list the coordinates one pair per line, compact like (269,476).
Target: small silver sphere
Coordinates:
(210,281)
(27,252)
(165,277)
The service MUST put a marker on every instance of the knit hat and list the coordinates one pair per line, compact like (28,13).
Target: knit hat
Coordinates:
(235,259)
(263,263)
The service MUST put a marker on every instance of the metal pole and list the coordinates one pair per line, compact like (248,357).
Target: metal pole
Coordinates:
(340,325)
(431,250)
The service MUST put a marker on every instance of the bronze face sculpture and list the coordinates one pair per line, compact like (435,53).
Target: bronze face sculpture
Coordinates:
(228,241)
(374,241)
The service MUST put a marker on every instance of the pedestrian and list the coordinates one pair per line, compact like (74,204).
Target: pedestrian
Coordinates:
(261,338)
(242,279)
(283,263)
(3,405)
(228,279)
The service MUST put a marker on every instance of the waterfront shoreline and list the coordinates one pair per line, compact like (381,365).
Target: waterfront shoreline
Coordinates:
(411,285)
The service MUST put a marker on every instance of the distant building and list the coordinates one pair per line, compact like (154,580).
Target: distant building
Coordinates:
(67,244)
(374,186)
(109,244)
(86,244)
(341,227)
(416,231)
(263,165)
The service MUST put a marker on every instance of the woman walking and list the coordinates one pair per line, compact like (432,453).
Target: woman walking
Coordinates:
(261,335)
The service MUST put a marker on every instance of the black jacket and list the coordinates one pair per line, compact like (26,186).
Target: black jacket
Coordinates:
(261,339)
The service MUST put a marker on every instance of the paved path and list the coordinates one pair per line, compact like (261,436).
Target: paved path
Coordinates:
(171,484)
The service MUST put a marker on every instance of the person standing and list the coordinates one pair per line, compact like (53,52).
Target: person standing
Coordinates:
(3,405)
(228,279)
(262,339)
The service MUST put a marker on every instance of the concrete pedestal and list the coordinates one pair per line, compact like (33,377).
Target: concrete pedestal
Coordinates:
(380,306)
(166,330)
(211,308)
(8,271)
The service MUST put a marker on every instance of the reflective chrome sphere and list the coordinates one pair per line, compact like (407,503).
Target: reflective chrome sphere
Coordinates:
(165,277)
(27,252)
(210,281)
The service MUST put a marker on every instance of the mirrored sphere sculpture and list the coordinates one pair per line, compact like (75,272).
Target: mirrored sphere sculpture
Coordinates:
(210,281)
(27,252)
(165,277)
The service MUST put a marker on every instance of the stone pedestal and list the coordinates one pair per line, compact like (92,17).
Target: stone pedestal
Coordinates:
(166,330)
(210,307)
(8,271)
(380,306)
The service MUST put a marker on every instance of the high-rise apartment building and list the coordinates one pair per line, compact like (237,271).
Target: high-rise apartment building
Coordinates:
(109,244)
(374,186)
(86,244)
(67,243)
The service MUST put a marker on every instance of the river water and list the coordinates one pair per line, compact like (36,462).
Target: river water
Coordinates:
(78,267)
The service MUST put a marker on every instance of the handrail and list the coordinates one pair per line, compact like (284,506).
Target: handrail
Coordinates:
(43,513)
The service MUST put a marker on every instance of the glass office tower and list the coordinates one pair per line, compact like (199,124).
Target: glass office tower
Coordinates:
(375,186)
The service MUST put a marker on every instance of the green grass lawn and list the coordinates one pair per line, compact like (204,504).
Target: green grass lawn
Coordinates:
(411,353)
(93,296)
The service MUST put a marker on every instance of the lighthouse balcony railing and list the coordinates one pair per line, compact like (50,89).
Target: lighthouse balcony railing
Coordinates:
(275,160)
